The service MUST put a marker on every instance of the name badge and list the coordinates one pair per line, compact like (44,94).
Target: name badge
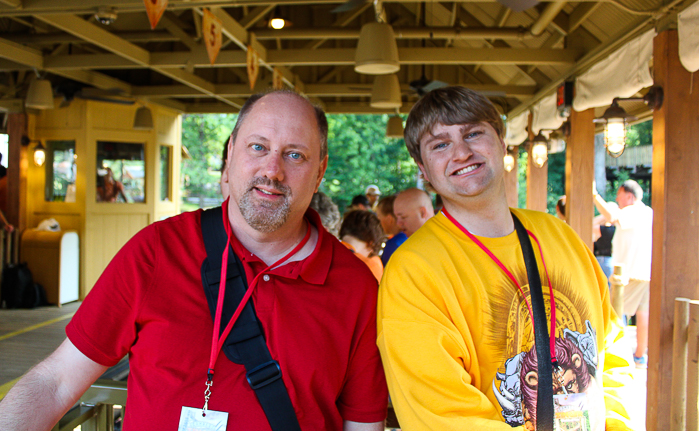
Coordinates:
(192,419)
(571,412)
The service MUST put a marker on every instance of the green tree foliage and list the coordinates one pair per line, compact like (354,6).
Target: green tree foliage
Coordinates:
(204,137)
(556,186)
(360,154)
(522,176)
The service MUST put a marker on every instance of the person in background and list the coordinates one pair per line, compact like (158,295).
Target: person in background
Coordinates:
(561,208)
(384,211)
(359,202)
(632,247)
(412,207)
(361,232)
(110,189)
(373,194)
(328,212)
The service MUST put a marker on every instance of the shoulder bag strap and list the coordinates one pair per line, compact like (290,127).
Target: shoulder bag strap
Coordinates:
(245,343)
(544,395)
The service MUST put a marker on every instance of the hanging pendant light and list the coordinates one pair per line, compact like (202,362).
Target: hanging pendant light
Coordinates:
(377,52)
(540,150)
(394,128)
(39,95)
(143,119)
(385,94)
(509,162)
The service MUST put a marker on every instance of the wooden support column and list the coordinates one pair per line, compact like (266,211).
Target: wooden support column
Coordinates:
(512,181)
(580,172)
(675,266)
(537,178)
(16,171)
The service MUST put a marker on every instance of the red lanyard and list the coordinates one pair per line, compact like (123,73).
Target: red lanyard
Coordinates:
(552,339)
(217,342)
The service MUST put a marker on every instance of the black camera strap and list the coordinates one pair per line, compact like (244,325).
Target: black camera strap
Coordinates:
(544,393)
(245,343)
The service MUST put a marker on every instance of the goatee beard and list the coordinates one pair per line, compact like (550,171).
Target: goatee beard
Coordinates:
(263,215)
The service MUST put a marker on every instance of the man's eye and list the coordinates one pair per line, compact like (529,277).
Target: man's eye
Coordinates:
(472,135)
(439,145)
(296,156)
(257,147)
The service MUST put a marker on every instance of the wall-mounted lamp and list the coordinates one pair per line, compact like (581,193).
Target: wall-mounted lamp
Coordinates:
(39,155)
(377,51)
(39,150)
(394,128)
(540,150)
(616,119)
(509,160)
(143,119)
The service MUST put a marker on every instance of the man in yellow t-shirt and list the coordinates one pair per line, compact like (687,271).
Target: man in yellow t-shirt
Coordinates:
(455,329)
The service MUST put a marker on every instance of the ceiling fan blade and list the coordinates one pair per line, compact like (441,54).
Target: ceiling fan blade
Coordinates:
(348,5)
(518,5)
(433,85)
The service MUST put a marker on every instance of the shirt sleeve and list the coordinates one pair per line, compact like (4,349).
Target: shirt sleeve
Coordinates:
(104,328)
(431,369)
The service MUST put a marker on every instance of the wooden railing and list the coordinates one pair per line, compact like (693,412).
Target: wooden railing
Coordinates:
(685,374)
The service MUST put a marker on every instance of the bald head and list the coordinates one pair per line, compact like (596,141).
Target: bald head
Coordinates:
(412,208)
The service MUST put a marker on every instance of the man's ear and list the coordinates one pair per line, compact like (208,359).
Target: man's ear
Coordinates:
(422,171)
(321,171)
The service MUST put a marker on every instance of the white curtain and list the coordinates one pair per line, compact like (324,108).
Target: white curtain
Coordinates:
(622,74)
(545,114)
(688,33)
(516,129)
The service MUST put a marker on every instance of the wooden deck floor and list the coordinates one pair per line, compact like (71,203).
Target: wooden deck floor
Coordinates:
(27,337)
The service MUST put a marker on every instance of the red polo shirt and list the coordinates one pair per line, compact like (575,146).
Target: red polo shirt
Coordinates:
(319,317)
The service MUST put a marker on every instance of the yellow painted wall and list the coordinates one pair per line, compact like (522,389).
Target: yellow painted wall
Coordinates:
(103,227)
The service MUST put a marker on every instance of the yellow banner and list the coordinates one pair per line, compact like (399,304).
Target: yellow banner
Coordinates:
(211,27)
(155,9)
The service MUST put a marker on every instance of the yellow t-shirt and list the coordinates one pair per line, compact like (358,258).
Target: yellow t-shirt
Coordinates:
(456,337)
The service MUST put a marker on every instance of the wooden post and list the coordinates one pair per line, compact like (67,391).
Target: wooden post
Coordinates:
(692,395)
(512,181)
(679,365)
(675,266)
(580,172)
(16,171)
(537,178)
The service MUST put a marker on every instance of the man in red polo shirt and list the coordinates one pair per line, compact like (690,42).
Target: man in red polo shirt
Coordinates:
(150,304)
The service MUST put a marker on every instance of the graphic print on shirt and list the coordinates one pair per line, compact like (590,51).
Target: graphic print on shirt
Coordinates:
(515,383)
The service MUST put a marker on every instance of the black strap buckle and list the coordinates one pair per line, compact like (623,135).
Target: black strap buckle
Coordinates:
(264,374)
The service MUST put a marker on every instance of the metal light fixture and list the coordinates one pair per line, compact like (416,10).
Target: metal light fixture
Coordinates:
(386,92)
(616,119)
(394,128)
(143,119)
(540,150)
(39,95)
(377,52)
(39,155)
(277,21)
(509,160)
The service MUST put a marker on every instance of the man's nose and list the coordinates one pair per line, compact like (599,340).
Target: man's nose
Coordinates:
(274,167)
(462,151)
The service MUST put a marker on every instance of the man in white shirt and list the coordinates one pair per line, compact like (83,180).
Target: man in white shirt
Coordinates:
(632,246)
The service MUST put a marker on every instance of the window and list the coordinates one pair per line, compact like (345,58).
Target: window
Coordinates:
(165,163)
(60,171)
(121,172)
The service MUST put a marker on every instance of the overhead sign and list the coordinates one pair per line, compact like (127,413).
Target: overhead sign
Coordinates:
(155,9)
(211,27)
(277,82)
(253,62)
